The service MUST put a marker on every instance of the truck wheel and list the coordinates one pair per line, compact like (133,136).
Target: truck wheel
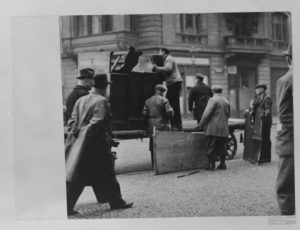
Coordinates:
(231,146)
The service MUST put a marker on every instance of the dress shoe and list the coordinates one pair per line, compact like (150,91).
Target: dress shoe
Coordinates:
(222,166)
(122,206)
(72,213)
(102,201)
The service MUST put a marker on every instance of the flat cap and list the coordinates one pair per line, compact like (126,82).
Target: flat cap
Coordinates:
(217,89)
(264,86)
(160,87)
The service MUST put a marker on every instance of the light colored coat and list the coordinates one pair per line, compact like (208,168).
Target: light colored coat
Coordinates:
(87,149)
(214,121)
(170,70)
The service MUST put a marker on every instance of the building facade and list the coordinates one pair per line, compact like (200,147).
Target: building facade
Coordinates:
(235,50)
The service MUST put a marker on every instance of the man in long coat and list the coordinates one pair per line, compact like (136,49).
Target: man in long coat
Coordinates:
(158,112)
(198,98)
(173,80)
(88,148)
(84,84)
(285,140)
(214,122)
(261,110)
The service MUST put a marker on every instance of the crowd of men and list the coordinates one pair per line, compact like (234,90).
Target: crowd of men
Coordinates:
(89,160)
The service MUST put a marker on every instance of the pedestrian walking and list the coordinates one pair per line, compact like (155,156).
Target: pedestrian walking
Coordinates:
(261,115)
(285,140)
(214,122)
(88,148)
(84,84)
(198,97)
(173,79)
(158,112)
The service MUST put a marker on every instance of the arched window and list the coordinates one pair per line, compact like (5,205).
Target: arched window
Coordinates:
(280,27)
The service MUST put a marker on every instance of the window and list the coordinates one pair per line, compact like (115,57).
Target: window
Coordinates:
(88,25)
(279,27)
(242,24)
(191,23)
(133,22)
(107,23)
(79,26)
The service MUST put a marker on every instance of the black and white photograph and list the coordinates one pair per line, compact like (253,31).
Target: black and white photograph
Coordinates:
(178,115)
(149,114)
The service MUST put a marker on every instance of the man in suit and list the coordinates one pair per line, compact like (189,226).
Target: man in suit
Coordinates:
(88,148)
(84,84)
(158,112)
(214,122)
(261,110)
(285,140)
(173,79)
(198,98)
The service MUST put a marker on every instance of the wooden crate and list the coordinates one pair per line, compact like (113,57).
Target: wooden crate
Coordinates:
(178,151)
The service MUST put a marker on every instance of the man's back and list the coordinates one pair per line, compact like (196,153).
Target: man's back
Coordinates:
(77,92)
(155,106)
(215,117)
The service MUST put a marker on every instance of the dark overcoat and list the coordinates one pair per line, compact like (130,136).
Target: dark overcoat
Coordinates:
(77,92)
(198,98)
(88,155)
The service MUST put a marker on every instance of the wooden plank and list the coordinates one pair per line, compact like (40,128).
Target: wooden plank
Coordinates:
(178,151)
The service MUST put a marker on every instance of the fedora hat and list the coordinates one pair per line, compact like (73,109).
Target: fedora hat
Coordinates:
(100,80)
(86,73)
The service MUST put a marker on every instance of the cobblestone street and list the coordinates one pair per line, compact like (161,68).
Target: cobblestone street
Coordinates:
(241,190)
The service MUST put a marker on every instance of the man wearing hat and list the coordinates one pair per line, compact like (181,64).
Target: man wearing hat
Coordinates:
(158,112)
(285,140)
(214,122)
(173,79)
(261,113)
(198,98)
(88,156)
(84,83)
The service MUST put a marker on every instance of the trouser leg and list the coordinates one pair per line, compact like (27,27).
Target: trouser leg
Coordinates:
(99,193)
(285,186)
(173,95)
(151,150)
(210,150)
(111,188)
(73,192)
(266,143)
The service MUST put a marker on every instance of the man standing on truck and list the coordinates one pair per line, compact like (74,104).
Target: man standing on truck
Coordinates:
(198,98)
(285,140)
(173,79)
(88,152)
(158,112)
(214,122)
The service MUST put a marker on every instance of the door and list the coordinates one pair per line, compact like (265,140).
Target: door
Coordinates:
(241,89)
